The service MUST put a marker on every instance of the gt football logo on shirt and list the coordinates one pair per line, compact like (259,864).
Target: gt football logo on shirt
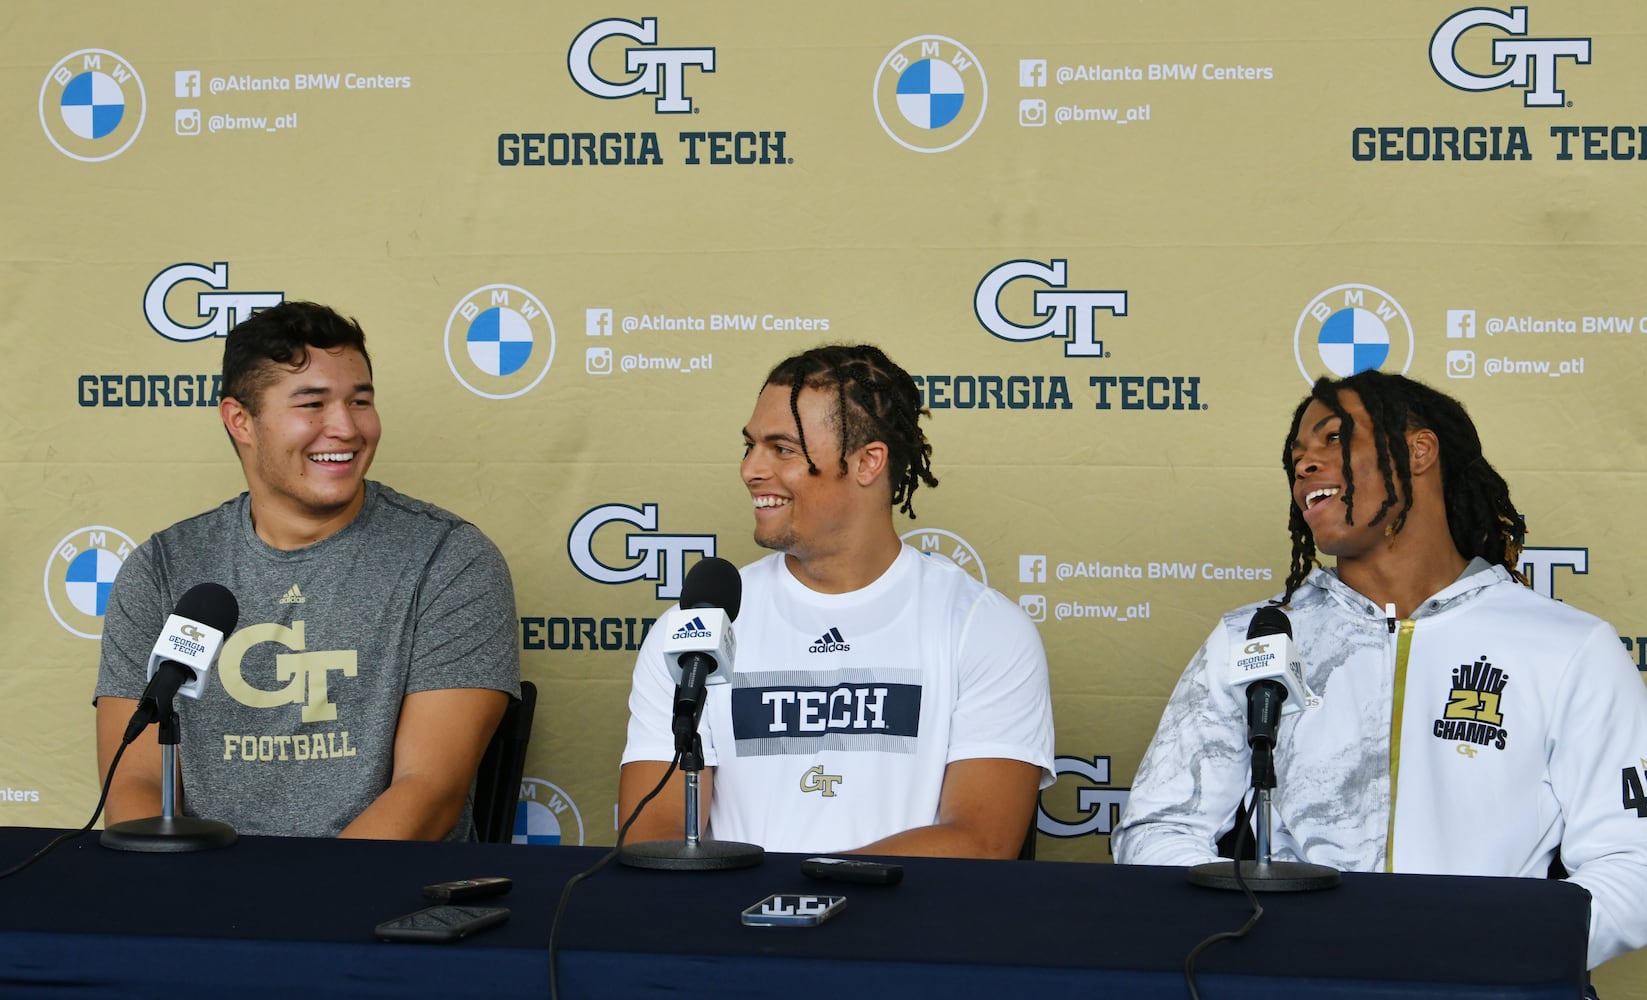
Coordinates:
(1474,713)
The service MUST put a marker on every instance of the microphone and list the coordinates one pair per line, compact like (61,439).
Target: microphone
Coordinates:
(179,663)
(1274,678)
(183,655)
(1268,668)
(699,644)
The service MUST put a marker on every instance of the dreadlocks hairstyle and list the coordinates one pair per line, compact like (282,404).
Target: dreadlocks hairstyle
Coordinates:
(875,400)
(1480,516)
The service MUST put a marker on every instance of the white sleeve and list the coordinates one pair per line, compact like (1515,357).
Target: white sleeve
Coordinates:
(1598,739)
(1003,707)
(652,705)
(1193,775)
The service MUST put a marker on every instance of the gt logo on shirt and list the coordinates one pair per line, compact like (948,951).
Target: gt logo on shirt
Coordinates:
(304,672)
(815,780)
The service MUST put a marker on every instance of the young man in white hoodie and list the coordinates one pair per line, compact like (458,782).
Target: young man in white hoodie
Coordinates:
(1462,723)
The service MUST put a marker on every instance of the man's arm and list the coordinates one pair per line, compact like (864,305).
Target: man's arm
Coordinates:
(439,741)
(1189,784)
(664,818)
(984,811)
(465,663)
(1599,729)
(135,793)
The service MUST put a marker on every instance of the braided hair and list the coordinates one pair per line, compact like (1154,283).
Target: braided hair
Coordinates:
(1482,520)
(875,400)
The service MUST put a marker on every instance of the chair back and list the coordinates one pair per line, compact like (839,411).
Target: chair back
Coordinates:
(497,783)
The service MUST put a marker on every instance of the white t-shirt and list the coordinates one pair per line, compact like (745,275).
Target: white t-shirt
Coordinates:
(842,710)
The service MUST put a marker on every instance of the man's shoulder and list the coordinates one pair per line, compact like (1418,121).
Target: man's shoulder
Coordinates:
(396,514)
(206,529)
(1522,606)
(391,504)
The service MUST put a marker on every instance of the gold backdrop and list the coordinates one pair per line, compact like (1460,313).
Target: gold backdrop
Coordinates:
(1114,241)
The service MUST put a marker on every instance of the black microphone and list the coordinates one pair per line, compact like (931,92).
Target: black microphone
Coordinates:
(699,644)
(1266,655)
(183,655)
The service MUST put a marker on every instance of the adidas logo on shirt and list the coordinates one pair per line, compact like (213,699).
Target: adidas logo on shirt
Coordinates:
(830,642)
(293,596)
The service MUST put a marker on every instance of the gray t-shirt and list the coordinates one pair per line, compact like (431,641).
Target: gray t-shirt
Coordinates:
(295,732)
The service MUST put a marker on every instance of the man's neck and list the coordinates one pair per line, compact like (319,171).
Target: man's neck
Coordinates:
(1416,566)
(284,528)
(852,567)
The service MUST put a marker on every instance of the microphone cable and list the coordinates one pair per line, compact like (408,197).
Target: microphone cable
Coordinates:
(1242,840)
(71,834)
(566,893)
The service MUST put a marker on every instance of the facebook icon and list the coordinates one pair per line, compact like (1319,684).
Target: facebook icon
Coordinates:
(1032,569)
(597,322)
(188,83)
(1032,72)
(1461,324)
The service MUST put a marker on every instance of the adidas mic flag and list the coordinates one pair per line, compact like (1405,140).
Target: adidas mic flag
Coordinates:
(698,643)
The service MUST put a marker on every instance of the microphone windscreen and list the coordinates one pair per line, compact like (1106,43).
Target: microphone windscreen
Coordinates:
(1269,620)
(212,604)
(713,583)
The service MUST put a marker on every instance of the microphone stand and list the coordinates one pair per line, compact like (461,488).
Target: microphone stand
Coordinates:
(168,832)
(693,854)
(1263,874)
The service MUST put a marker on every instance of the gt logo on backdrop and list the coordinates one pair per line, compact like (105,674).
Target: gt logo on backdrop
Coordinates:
(930,93)
(1349,329)
(947,544)
(79,575)
(1538,564)
(1066,314)
(92,105)
(659,557)
(546,815)
(1529,63)
(1098,804)
(660,72)
(220,308)
(500,341)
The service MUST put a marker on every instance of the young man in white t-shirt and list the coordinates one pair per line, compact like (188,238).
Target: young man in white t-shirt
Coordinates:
(882,701)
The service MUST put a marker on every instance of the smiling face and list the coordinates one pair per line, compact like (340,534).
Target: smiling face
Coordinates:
(1320,484)
(308,447)
(797,512)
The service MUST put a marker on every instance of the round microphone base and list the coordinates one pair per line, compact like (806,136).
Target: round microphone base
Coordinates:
(1276,876)
(171,835)
(678,855)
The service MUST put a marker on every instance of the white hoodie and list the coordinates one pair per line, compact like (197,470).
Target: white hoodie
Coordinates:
(1520,727)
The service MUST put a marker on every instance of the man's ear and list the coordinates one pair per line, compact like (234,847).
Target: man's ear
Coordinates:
(237,420)
(869,462)
(1423,450)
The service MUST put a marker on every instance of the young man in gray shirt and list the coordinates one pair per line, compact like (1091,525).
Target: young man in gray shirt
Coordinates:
(376,647)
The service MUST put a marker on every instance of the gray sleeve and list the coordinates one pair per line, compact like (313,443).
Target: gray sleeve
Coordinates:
(132,621)
(466,631)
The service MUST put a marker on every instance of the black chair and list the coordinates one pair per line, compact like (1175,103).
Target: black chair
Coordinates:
(497,783)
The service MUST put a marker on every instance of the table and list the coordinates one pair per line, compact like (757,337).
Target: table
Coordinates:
(283,917)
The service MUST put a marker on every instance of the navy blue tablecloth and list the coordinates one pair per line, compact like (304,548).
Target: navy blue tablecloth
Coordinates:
(284,916)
